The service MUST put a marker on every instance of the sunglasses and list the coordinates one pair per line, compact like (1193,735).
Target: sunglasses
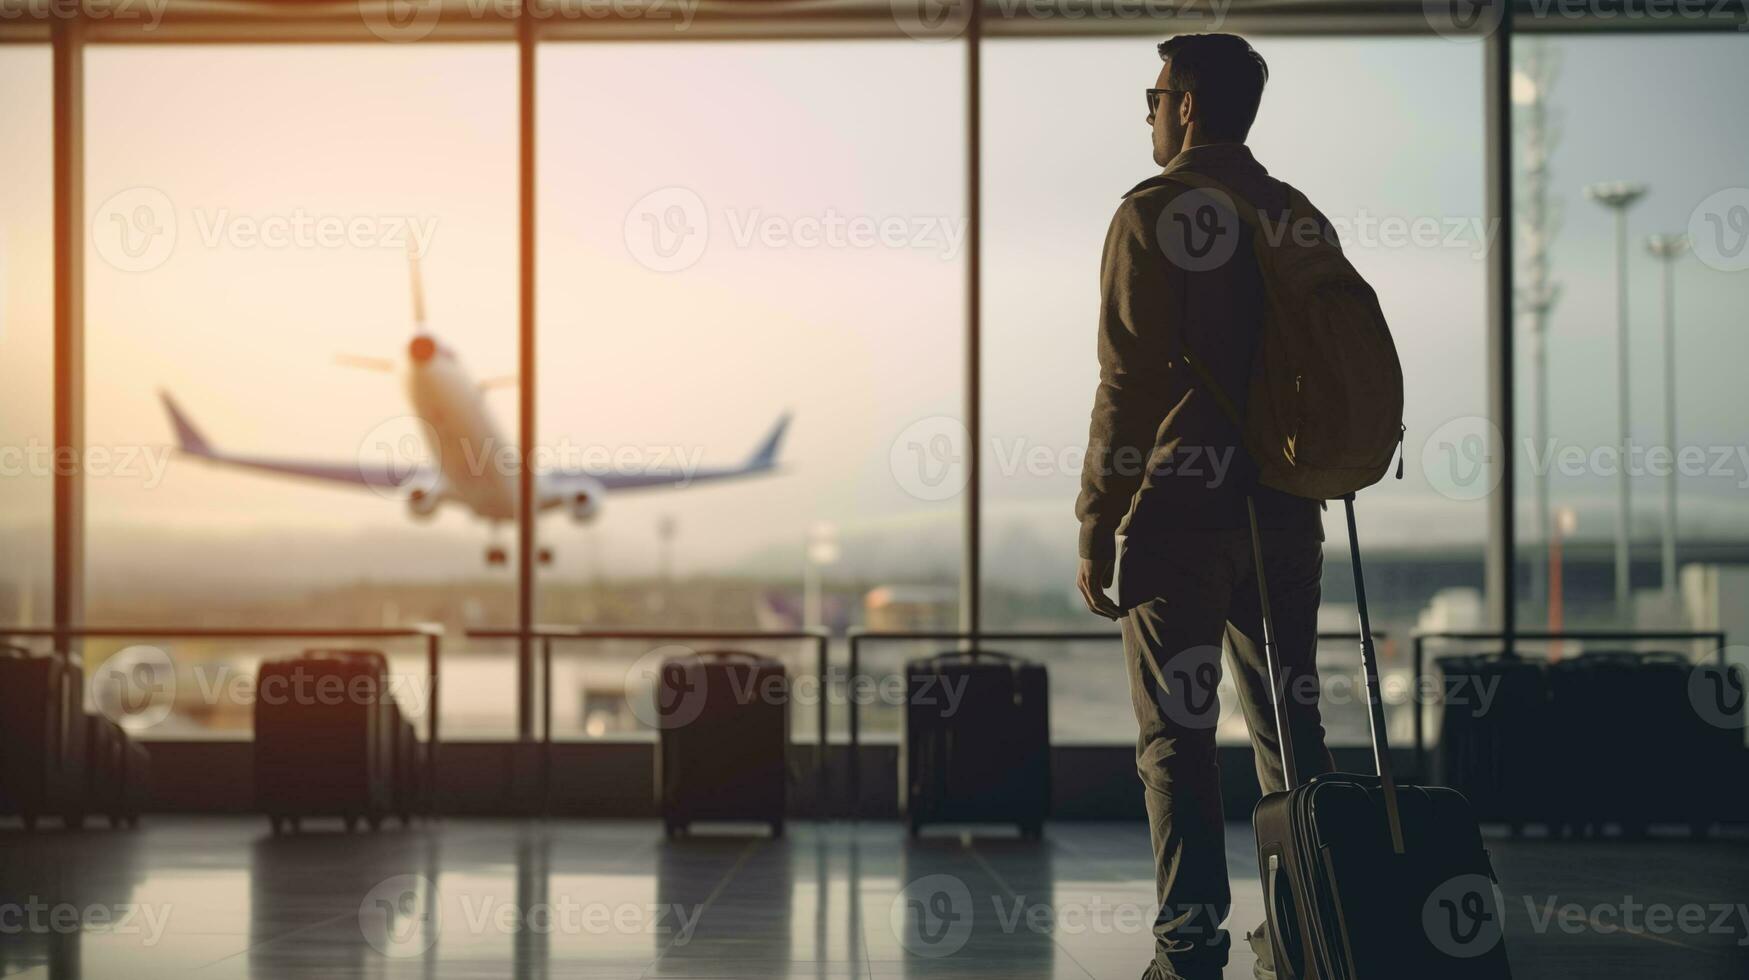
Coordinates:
(1155,94)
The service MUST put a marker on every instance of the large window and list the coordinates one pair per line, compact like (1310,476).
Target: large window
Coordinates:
(26,335)
(1684,171)
(1398,170)
(252,213)
(738,234)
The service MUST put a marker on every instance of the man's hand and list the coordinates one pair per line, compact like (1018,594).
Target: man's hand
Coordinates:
(1093,580)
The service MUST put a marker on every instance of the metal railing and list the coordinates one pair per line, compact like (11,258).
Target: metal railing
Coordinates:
(1419,655)
(857,637)
(546,635)
(433,635)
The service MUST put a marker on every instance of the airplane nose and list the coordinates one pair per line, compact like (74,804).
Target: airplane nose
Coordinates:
(422,349)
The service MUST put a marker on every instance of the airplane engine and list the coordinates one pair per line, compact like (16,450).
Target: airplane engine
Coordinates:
(422,502)
(585,502)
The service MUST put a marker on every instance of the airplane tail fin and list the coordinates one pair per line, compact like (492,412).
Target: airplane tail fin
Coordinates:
(765,456)
(188,438)
(418,290)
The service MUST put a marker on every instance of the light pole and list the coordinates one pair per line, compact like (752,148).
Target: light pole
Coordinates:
(1566,522)
(821,550)
(1618,196)
(1669,248)
(1539,219)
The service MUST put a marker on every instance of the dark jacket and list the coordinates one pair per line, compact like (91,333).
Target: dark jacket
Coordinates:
(1162,455)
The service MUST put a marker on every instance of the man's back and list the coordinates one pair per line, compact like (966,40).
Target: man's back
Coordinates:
(1179,275)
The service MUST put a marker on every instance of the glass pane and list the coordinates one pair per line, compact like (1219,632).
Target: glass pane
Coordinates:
(751,232)
(1406,195)
(253,211)
(1684,173)
(27,433)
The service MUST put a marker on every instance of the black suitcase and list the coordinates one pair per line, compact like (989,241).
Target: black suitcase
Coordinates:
(977,741)
(724,720)
(1494,736)
(1364,879)
(1648,714)
(42,736)
(323,741)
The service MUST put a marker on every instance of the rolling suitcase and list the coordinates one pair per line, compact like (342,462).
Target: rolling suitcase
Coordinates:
(1494,736)
(1364,879)
(976,741)
(724,734)
(42,736)
(323,743)
(1653,714)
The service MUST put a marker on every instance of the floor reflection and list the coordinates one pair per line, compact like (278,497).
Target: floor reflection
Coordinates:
(219,897)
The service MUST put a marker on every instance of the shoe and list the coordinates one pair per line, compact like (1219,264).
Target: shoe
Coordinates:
(1264,950)
(1157,972)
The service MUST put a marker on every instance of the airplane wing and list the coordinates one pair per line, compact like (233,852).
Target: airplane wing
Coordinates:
(557,486)
(359,473)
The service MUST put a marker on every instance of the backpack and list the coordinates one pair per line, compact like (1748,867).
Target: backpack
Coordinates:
(1325,412)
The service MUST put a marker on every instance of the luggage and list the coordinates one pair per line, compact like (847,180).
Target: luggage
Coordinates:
(409,767)
(976,741)
(136,782)
(1495,744)
(324,745)
(42,736)
(1364,879)
(1650,714)
(724,730)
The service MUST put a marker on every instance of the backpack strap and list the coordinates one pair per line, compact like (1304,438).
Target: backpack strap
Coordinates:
(1247,214)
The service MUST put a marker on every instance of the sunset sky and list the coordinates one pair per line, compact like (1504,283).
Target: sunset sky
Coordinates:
(860,342)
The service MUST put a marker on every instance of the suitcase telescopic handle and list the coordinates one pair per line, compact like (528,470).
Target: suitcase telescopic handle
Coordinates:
(1375,700)
(1369,663)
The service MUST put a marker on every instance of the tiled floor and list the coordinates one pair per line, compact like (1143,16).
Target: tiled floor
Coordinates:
(220,898)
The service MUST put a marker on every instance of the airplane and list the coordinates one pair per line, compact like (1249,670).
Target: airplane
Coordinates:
(461,437)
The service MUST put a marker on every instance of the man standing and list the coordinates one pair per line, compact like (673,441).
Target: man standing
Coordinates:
(1182,307)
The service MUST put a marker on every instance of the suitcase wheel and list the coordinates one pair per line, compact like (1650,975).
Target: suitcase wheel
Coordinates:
(776,829)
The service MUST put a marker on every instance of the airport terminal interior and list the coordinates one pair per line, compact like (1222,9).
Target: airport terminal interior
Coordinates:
(525,488)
